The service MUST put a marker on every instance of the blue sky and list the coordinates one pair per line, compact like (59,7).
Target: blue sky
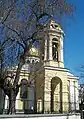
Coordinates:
(74,40)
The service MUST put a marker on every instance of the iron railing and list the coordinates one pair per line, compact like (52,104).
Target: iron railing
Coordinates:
(30,106)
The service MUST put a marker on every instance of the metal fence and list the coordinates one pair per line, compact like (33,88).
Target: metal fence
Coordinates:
(31,106)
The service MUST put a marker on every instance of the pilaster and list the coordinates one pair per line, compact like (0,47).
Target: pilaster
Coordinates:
(65,104)
(45,52)
(47,95)
(61,48)
(50,48)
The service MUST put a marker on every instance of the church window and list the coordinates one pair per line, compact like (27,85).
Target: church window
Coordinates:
(32,61)
(56,26)
(23,89)
(28,61)
(55,51)
(42,56)
(37,61)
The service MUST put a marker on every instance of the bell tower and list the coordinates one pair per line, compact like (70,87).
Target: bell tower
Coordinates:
(51,77)
(52,47)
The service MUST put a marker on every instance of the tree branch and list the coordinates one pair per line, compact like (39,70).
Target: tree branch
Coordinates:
(19,35)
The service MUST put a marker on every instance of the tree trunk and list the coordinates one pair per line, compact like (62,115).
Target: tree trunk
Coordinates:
(12,100)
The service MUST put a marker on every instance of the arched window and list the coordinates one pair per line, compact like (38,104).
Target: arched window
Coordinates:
(23,90)
(33,61)
(28,61)
(55,49)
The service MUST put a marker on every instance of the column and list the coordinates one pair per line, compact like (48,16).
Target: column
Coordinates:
(72,95)
(30,99)
(6,106)
(47,95)
(45,49)
(61,48)
(77,95)
(50,48)
(69,101)
(65,105)
(19,103)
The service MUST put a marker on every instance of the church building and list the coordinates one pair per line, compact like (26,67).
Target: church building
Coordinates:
(53,88)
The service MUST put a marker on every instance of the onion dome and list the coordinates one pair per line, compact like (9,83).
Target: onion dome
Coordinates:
(33,51)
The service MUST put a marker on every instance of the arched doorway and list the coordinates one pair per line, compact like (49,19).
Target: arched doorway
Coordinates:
(27,96)
(56,95)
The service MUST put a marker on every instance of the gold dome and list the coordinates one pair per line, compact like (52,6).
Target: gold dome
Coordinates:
(33,51)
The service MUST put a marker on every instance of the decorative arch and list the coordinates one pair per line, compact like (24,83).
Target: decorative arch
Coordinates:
(55,44)
(27,96)
(23,88)
(56,95)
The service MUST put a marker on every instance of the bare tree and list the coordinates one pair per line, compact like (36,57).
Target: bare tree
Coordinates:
(20,22)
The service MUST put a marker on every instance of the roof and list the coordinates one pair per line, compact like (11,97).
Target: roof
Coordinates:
(72,76)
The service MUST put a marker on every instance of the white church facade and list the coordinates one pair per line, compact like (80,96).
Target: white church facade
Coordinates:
(53,88)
